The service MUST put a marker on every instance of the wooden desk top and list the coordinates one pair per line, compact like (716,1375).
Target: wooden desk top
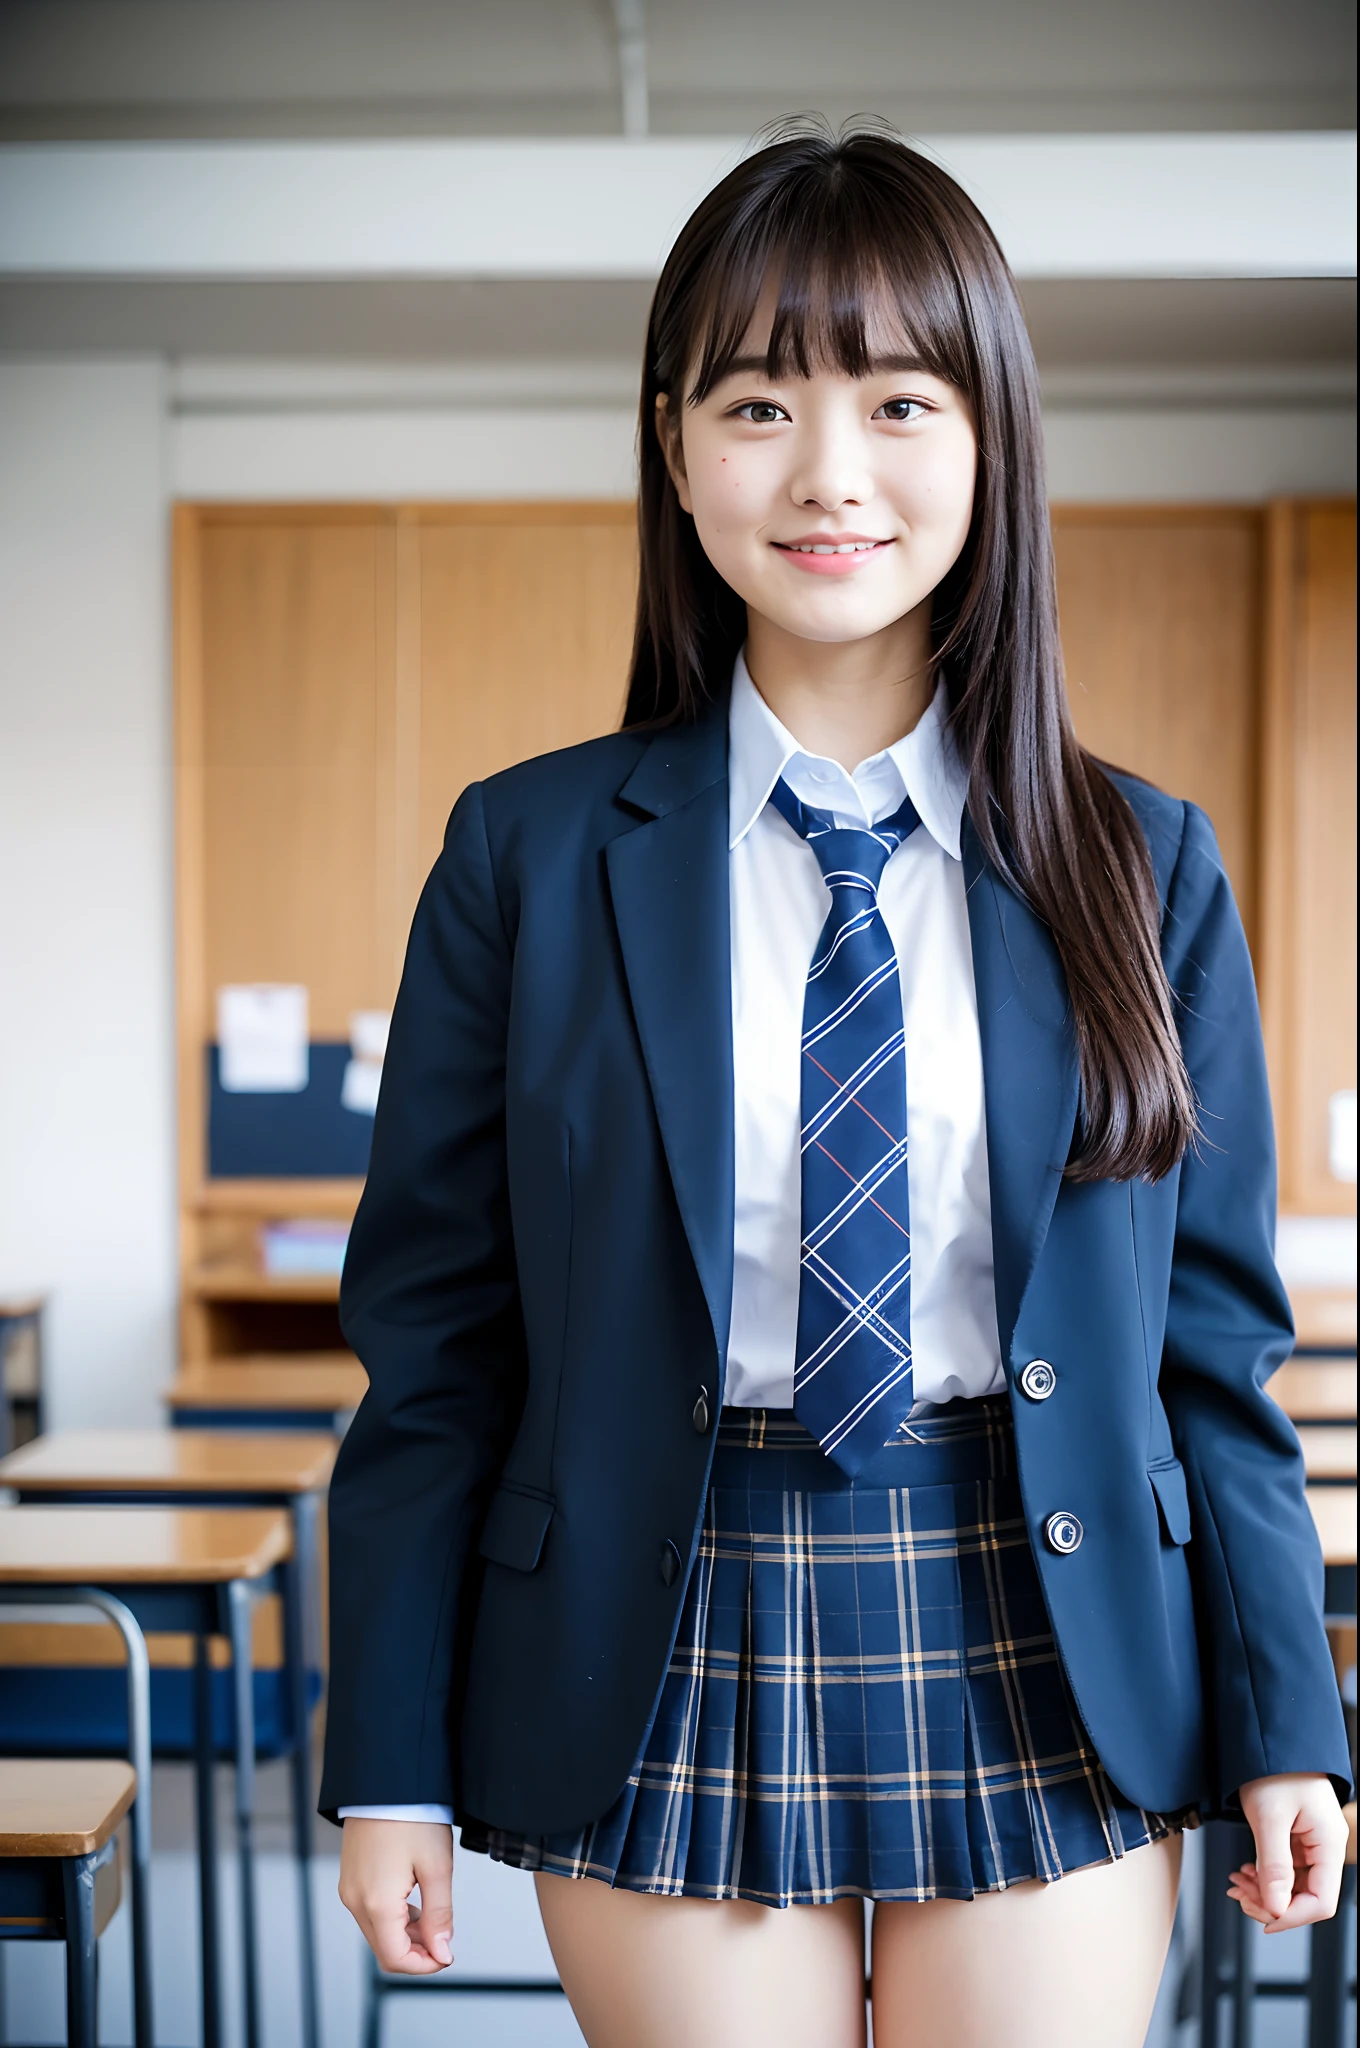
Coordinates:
(148,1546)
(326,1381)
(1334,1513)
(1328,1450)
(172,1460)
(1315,1389)
(1324,1316)
(13,1307)
(65,1806)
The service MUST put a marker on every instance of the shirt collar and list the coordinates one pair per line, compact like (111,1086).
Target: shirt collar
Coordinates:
(926,763)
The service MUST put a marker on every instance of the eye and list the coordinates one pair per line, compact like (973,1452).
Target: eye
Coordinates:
(905,409)
(761,412)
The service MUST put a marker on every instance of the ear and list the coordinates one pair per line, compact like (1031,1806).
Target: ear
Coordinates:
(668,435)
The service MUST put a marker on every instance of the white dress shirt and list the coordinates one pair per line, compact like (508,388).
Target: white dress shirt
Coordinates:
(779,904)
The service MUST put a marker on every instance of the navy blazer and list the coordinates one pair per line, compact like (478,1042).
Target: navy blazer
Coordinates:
(539,1283)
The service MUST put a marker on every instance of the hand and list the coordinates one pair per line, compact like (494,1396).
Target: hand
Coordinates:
(381,1863)
(1300,1835)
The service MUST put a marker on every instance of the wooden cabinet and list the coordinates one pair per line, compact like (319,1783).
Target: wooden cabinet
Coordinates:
(1307,957)
(341,674)
(343,671)
(1161,614)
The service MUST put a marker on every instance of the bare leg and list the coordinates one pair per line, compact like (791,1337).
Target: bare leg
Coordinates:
(649,1972)
(1040,1966)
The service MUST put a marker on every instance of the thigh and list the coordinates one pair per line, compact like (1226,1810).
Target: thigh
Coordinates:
(1040,1966)
(648,1972)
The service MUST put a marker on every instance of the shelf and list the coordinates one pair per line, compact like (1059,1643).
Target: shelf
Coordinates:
(321,1198)
(248,1283)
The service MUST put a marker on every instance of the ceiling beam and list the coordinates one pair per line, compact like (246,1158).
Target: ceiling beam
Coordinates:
(1064,206)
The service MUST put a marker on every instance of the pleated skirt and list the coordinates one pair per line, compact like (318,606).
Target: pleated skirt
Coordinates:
(864,1697)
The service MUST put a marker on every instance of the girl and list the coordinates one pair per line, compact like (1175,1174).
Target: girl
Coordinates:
(815,1273)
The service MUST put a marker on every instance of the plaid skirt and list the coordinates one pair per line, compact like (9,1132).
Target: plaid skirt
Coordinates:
(864,1697)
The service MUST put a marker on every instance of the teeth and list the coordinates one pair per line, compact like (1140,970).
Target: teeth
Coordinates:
(849,547)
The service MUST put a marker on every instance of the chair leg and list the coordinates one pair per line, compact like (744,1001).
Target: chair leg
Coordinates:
(1224,1952)
(240,1605)
(371,2035)
(295,1648)
(205,1794)
(82,1986)
(1329,1972)
(1244,1974)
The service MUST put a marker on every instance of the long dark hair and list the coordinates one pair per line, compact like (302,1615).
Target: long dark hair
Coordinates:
(854,226)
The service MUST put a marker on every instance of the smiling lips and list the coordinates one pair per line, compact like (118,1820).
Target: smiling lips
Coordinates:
(825,554)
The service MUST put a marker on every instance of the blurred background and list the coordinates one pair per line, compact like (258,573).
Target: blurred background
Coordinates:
(320,332)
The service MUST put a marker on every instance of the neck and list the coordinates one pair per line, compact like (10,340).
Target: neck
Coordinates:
(844,700)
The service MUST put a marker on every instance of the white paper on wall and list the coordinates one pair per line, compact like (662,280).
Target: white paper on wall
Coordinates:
(363,1074)
(262,1038)
(368,1031)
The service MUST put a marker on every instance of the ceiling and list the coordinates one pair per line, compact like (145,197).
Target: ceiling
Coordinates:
(110,68)
(1096,325)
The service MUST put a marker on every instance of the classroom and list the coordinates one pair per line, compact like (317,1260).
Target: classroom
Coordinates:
(326,505)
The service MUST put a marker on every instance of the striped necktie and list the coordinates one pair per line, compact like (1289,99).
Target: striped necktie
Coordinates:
(852,1381)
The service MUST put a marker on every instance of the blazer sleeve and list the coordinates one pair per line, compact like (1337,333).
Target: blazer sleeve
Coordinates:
(1271,1691)
(430,1303)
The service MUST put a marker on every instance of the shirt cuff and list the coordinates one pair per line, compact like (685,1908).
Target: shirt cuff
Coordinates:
(441,1816)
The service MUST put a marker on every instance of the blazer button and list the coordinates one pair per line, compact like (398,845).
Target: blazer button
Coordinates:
(700,1415)
(670,1564)
(1038,1379)
(1063,1533)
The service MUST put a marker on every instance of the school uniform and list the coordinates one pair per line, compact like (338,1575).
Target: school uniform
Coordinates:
(676,1643)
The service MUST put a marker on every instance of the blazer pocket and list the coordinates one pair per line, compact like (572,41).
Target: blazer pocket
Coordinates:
(1173,1502)
(515,1526)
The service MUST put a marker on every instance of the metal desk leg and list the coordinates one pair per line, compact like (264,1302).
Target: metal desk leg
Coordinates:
(1328,1971)
(1244,1975)
(241,1605)
(139,1745)
(82,2019)
(299,1596)
(206,1813)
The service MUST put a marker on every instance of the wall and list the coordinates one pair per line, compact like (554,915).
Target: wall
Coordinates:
(93,452)
(86,1161)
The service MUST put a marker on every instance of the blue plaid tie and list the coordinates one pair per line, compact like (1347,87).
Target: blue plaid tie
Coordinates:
(852,1379)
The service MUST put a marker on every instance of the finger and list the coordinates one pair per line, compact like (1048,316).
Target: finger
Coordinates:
(1315,1896)
(388,1932)
(1274,1858)
(433,1925)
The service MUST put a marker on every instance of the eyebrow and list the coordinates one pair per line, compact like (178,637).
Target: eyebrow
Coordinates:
(746,366)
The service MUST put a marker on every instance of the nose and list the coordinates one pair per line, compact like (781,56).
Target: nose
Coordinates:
(831,470)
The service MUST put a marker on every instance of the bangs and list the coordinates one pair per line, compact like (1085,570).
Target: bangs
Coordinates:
(853,281)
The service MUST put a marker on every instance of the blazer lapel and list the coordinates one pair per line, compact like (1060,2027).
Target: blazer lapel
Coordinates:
(1030,1074)
(668,881)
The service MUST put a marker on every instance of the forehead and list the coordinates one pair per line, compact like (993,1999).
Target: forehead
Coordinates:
(832,322)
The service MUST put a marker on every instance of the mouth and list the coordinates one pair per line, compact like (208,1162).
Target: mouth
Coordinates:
(828,555)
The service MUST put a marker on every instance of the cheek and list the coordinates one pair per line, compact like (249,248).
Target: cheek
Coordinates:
(728,491)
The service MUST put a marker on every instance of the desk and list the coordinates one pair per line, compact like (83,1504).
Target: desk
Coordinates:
(21,1368)
(191,1467)
(1328,1449)
(198,1570)
(1334,1514)
(308,1390)
(1315,1389)
(1324,1318)
(59,1867)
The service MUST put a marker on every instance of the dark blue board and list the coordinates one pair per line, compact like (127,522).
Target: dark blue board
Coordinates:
(307,1136)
